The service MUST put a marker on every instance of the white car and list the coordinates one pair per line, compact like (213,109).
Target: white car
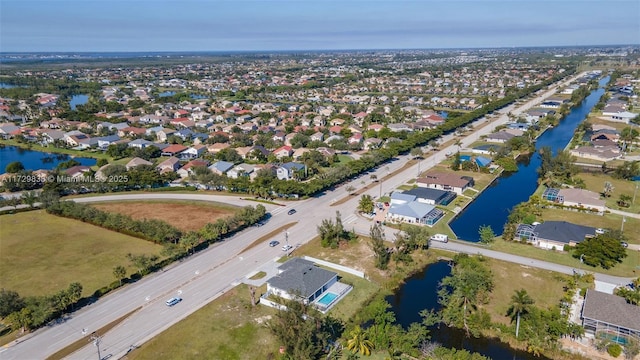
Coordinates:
(173,301)
(287,248)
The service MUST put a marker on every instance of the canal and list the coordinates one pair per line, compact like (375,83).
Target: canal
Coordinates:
(420,292)
(493,205)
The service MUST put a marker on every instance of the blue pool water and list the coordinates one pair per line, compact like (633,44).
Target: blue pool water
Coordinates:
(327,298)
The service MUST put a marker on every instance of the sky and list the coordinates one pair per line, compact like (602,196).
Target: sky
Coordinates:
(242,25)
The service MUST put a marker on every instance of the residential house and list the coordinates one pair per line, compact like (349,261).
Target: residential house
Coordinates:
(242,170)
(132,131)
(173,150)
(499,137)
(163,135)
(187,169)
(105,141)
(600,153)
(300,279)
(371,143)
(77,171)
(554,235)
(170,165)
(217,147)
(136,161)
(184,134)
(50,136)
(612,315)
(140,143)
(581,198)
(221,167)
(286,171)
(317,137)
(404,208)
(283,151)
(194,152)
(431,196)
(445,181)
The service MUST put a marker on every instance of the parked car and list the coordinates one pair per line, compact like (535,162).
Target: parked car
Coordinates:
(173,301)
(291,212)
(274,243)
(624,244)
(287,248)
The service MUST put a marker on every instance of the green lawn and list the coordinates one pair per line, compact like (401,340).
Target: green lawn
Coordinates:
(41,253)
(227,328)
(626,268)
(96,154)
(595,182)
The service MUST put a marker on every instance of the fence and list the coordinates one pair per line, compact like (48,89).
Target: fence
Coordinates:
(337,267)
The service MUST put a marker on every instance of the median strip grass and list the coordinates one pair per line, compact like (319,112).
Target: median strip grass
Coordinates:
(63,353)
(268,235)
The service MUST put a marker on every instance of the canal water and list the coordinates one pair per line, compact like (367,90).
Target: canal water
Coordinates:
(34,160)
(492,207)
(420,292)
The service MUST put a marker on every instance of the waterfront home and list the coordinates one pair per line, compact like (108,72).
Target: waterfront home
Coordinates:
(402,209)
(105,141)
(499,137)
(611,315)
(581,198)
(445,181)
(431,196)
(600,153)
(300,279)
(554,235)
(77,171)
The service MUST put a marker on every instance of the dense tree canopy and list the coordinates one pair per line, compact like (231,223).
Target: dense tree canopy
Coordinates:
(604,250)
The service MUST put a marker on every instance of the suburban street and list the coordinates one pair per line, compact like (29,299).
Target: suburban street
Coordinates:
(207,275)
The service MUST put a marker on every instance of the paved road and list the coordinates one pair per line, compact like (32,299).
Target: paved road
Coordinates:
(207,275)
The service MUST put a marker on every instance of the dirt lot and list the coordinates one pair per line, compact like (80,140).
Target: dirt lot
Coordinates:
(185,215)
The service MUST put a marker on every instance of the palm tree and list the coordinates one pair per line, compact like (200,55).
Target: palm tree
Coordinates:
(520,304)
(358,342)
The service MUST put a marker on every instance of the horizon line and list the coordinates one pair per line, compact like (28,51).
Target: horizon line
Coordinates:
(309,50)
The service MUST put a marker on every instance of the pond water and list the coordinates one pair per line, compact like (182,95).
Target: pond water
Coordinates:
(492,207)
(420,292)
(34,160)
(79,99)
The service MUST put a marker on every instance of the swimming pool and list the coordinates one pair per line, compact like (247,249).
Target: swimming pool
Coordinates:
(327,299)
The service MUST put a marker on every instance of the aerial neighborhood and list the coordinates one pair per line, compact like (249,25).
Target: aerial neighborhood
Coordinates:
(296,197)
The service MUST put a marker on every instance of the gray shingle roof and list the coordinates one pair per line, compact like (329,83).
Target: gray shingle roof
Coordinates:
(427,193)
(563,231)
(302,277)
(611,309)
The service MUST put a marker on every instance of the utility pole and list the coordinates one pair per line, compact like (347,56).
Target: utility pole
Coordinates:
(634,194)
(96,341)
(624,220)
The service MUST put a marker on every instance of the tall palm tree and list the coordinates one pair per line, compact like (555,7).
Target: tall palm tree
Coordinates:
(520,304)
(359,343)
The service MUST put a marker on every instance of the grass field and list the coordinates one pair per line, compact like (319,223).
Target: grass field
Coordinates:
(628,267)
(545,287)
(41,253)
(595,182)
(227,328)
(185,215)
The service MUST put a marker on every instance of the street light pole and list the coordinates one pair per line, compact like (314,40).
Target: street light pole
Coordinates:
(634,194)
(96,341)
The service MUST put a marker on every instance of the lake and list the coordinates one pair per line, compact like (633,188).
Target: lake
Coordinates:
(34,160)
(79,99)
(420,292)
(493,205)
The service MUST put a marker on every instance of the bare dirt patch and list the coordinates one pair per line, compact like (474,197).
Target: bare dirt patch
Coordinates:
(185,215)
